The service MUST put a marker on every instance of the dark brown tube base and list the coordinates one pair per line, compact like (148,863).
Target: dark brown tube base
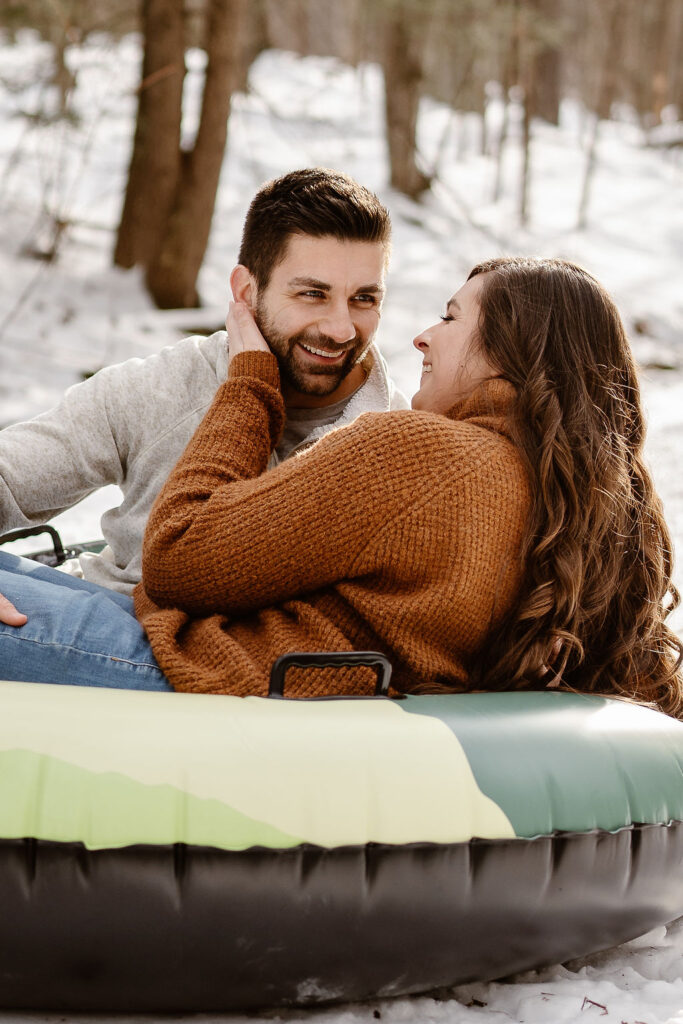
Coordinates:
(182,929)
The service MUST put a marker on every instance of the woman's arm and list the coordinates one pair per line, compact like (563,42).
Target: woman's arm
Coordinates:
(217,543)
(224,536)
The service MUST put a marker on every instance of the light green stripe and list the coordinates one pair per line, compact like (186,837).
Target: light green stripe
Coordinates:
(45,798)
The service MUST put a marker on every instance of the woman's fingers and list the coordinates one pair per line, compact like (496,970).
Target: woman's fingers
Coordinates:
(9,614)
(243,334)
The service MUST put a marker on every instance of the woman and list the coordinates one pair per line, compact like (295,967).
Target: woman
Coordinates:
(597,552)
(502,535)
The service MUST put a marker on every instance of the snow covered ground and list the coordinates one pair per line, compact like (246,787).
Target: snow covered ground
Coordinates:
(67,317)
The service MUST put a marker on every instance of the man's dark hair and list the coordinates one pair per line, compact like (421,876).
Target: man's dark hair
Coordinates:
(314,202)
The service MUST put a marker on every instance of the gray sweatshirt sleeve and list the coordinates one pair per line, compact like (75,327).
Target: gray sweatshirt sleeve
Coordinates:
(126,425)
(50,463)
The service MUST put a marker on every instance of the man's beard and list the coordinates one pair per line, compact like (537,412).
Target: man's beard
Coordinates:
(308,378)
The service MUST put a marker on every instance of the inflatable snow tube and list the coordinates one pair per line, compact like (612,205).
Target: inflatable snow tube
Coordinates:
(175,853)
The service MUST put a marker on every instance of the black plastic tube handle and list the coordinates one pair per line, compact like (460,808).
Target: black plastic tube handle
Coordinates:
(330,659)
(35,531)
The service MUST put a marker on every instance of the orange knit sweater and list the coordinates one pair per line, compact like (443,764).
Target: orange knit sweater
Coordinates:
(399,533)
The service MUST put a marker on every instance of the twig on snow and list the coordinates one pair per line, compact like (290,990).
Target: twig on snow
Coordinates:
(591,1002)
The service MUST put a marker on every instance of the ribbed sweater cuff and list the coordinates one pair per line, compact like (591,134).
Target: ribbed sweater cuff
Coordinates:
(261,365)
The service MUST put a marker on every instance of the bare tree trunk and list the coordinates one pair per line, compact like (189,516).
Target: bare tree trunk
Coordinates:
(170,197)
(64,79)
(589,169)
(502,140)
(155,162)
(548,65)
(172,273)
(539,77)
(676,65)
(510,75)
(60,31)
(606,91)
(402,63)
(660,72)
(525,185)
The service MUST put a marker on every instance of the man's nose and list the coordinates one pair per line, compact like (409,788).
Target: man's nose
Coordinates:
(338,325)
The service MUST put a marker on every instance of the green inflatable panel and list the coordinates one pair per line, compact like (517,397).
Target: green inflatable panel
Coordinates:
(567,762)
(112,768)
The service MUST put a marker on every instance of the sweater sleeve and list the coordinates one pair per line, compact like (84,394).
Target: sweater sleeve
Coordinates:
(224,536)
(51,462)
(99,428)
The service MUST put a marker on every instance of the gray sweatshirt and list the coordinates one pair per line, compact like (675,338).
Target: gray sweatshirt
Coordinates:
(128,425)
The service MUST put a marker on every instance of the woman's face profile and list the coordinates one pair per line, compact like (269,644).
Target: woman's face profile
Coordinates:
(452,362)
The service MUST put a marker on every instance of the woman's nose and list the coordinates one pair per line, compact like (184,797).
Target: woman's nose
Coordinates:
(421,341)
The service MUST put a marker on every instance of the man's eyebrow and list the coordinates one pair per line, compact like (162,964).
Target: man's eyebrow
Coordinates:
(374,289)
(310,282)
(323,286)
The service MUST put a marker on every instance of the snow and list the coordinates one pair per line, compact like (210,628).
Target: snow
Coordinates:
(67,317)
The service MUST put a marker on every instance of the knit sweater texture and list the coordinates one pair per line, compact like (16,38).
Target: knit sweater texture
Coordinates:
(399,533)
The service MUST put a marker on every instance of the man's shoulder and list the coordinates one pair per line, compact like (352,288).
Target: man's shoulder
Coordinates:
(211,350)
(177,385)
(191,354)
(167,383)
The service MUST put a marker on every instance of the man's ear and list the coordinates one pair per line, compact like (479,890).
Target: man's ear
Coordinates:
(243,286)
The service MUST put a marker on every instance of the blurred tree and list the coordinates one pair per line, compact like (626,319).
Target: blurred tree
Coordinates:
(171,192)
(662,26)
(611,34)
(65,24)
(527,42)
(508,73)
(402,57)
(530,33)
(548,60)
(464,53)
(675,72)
(651,69)
(538,34)
(155,161)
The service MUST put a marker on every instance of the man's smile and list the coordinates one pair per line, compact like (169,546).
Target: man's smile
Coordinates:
(325,354)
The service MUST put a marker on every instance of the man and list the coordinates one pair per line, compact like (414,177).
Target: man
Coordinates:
(311,266)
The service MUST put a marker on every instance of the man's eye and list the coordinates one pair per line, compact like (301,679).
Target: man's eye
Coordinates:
(314,293)
(366,300)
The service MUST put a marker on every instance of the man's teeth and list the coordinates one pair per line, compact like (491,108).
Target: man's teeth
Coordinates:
(320,352)
(427,368)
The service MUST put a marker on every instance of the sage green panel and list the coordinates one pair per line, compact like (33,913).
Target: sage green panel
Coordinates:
(561,761)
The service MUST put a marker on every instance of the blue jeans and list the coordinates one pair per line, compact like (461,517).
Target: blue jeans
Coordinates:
(77,632)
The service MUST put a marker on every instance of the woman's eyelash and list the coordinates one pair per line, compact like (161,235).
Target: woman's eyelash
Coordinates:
(447,317)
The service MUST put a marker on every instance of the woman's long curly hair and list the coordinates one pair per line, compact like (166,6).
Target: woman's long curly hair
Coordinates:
(597,585)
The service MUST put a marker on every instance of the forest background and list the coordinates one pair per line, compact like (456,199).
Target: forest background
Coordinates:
(616,58)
